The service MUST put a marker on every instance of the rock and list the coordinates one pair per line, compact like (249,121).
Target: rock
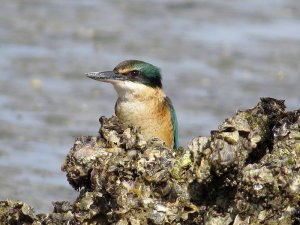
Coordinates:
(246,172)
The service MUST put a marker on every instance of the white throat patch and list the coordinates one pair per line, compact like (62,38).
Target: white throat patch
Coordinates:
(128,89)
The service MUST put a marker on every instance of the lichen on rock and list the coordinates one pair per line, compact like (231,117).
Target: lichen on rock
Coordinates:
(246,172)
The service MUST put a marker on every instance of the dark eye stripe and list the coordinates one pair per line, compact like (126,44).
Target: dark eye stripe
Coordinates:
(134,73)
(115,70)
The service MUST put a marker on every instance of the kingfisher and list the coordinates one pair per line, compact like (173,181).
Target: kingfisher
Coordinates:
(141,100)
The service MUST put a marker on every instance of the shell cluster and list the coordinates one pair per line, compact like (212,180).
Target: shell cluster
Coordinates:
(246,172)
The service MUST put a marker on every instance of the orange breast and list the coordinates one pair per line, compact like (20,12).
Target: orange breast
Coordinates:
(151,115)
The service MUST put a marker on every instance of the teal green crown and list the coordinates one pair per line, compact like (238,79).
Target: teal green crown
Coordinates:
(139,71)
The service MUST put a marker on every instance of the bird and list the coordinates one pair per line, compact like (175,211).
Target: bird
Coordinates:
(141,100)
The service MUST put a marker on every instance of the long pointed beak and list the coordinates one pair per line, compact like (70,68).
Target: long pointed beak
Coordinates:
(106,76)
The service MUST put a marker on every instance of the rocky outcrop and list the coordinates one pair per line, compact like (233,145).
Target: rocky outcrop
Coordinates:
(246,172)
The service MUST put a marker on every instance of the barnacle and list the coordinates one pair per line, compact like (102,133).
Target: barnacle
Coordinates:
(246,172)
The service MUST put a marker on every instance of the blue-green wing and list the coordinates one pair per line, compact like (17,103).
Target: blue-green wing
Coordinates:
(174,122)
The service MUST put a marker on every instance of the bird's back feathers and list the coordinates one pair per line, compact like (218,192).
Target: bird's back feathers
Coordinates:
(174,122)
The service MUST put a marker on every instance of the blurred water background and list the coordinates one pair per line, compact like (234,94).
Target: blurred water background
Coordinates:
(215,56)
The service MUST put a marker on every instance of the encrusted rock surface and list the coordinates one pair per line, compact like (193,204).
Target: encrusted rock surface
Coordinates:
(246,172)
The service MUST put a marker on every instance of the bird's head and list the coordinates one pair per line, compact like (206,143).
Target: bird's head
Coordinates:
(130,76)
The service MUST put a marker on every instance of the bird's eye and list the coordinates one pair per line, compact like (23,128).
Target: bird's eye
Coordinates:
(135,73)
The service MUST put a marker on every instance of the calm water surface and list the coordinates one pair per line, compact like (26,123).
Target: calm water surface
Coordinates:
(215,58)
